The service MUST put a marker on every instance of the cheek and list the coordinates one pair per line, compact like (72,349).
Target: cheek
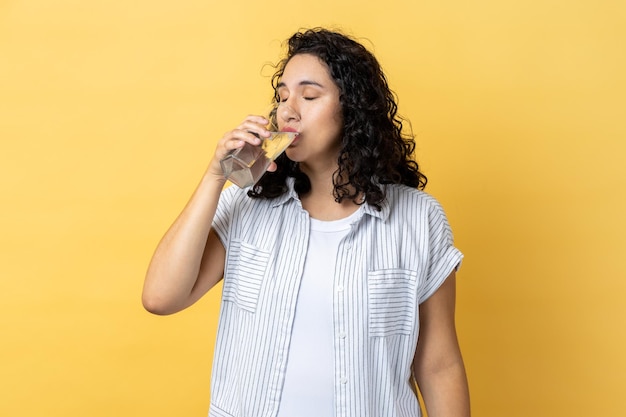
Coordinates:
(337,123)
(331,116)
(338,119)
(328,118)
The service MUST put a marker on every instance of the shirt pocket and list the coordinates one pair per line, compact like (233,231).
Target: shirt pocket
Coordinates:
(245,269)
(392,295)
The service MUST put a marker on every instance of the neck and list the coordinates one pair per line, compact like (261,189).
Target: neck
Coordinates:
(320,200)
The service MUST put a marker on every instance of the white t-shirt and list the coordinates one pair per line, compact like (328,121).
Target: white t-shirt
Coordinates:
(309,379)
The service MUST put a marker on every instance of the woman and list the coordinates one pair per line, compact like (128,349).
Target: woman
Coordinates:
(333,263)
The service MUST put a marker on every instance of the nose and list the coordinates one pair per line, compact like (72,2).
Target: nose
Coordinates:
(285,113)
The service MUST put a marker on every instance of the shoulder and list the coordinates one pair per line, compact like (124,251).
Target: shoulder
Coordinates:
(231,197)
(235,198)
(410,207)
(233,193)
(399,195)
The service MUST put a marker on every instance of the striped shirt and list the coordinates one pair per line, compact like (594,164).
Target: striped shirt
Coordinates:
(390,261)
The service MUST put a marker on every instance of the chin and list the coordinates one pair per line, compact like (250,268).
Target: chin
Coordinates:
(292,154)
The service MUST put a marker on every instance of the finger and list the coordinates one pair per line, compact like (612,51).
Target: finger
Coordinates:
(255,124)
(237,138)
(273,167)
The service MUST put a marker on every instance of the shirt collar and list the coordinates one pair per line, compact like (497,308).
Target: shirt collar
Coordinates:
(381,214)
(291,194)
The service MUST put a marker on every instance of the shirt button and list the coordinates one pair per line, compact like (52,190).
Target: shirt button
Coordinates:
(340,288)
(342,335)
(344,380)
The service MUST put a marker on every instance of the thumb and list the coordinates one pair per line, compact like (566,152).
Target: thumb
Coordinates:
(272,167)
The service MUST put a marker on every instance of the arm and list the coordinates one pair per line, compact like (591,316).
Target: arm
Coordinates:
(189,259)
(438,366)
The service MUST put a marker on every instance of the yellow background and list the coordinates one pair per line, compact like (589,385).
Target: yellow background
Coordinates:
(109,113)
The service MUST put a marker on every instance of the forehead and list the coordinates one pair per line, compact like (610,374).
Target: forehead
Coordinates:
(303,68)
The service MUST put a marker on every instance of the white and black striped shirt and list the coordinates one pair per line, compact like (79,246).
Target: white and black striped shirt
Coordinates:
(389,262)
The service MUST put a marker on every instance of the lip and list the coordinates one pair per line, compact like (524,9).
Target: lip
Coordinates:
(289,129)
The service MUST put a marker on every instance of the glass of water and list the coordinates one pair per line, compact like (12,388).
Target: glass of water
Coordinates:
(246,165)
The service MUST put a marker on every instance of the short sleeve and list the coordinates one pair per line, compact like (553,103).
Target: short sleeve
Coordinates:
(443,256)
(224,214)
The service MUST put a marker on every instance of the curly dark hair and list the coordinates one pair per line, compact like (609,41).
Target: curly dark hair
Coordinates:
(374,148)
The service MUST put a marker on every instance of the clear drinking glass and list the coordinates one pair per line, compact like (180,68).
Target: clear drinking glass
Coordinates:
(246,165)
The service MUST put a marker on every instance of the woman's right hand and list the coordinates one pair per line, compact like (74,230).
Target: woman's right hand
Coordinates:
(244,133)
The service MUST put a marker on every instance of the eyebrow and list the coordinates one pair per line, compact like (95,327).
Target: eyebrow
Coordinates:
(301,83)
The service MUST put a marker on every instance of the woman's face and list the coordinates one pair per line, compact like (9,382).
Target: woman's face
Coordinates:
(310,106)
